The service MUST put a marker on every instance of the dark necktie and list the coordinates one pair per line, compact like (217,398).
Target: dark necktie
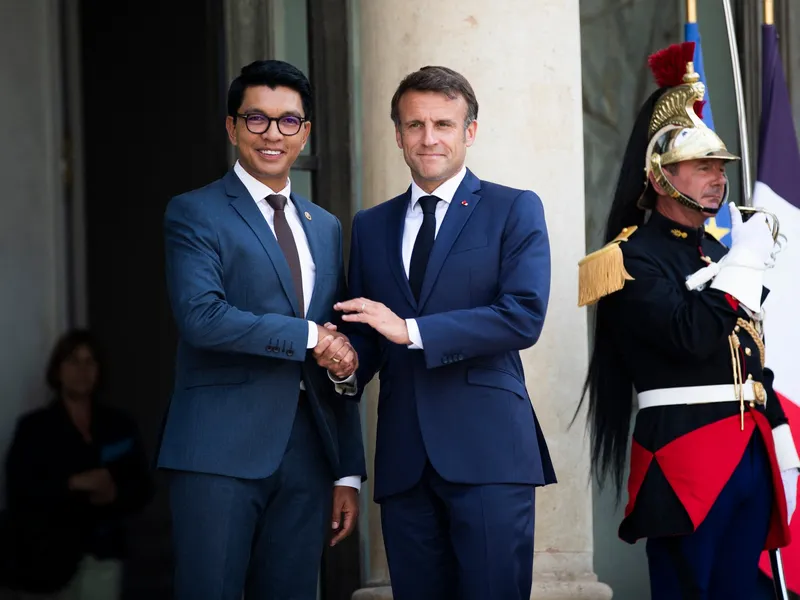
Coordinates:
(286,241)
(423,244)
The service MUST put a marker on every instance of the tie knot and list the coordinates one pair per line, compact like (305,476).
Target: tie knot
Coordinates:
(276,201)
(428,204)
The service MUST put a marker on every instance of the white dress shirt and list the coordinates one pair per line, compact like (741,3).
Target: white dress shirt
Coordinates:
(413,223)
(308,269)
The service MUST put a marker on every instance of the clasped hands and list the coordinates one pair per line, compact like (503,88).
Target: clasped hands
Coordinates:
(334,351)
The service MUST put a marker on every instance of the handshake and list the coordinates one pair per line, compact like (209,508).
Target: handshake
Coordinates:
(334,352)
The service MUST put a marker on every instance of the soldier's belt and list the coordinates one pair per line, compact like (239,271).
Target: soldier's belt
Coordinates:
(699,394)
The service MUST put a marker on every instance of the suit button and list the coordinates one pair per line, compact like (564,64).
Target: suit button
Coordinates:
(290,352)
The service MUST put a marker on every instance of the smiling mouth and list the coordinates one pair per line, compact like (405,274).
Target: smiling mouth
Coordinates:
(270,153)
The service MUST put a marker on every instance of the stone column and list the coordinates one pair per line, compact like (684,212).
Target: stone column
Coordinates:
(522,57)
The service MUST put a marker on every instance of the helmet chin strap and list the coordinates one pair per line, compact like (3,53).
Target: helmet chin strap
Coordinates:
(672,191)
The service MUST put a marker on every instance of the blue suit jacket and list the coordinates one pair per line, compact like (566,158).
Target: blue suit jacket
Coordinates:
(242,348)
(461,402)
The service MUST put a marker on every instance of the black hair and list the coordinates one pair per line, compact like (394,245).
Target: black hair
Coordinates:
(436,79)
(64,347)
(271,73)
(608,385)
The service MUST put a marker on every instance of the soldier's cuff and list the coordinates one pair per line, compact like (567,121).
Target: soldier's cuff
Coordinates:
(743,283)
(785,450)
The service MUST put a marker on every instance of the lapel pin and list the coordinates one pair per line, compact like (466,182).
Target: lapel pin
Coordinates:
(308,215)
(464,203)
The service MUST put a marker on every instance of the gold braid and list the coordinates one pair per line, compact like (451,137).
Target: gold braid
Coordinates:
(750,328)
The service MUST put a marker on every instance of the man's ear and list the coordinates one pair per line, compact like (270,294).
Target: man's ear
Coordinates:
(658,189)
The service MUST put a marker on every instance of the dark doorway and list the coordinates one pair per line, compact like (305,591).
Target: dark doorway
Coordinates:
(153,113)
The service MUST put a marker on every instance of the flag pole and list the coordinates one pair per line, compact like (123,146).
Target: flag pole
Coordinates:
(747,182)
(769,12)
(691,11)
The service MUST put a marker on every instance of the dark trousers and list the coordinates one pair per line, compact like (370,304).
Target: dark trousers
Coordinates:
(720,559)
(472,542)
(262,537)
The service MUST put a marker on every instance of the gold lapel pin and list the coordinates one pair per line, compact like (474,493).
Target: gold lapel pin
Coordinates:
(308,215)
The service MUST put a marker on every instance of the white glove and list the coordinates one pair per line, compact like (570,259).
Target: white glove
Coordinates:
(790,477)
(741,272)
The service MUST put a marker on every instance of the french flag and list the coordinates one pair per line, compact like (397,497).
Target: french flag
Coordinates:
(777,192)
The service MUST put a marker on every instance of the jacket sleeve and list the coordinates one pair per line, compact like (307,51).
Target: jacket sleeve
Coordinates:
(654,308)
(514,320)
(195,284)
(31,483)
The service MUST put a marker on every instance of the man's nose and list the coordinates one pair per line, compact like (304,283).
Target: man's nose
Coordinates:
(430,137)
(272,132)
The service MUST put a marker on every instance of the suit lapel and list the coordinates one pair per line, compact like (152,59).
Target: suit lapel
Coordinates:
(314,244)
(458,213)
(243,203)
(394,236)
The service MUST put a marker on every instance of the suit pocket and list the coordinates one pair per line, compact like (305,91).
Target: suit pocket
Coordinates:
(497,379)
(218,376)
(471,242)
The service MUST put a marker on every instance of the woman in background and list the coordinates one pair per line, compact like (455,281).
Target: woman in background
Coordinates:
(75,471)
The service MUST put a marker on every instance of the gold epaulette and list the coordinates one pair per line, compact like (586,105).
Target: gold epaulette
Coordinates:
(603,272)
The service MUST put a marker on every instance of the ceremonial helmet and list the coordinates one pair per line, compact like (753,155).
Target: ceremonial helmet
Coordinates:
(676,131)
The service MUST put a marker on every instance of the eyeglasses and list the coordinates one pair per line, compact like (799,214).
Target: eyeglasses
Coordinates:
(258,123)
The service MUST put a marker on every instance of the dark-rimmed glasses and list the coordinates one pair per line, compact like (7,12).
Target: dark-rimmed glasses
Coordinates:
(258,123)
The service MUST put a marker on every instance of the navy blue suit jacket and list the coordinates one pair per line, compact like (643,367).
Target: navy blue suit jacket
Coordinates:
(461,402)
(242,348)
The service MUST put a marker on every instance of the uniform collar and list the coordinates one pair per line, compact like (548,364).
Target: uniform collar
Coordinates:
(675,231)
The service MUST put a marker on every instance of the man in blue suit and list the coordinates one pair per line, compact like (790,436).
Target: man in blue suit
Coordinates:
(451,280)
(256,439)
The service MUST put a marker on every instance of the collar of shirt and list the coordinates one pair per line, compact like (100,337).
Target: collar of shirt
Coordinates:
(258,190)
(445,191)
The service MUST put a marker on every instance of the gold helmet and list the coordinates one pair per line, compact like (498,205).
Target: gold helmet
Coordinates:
(676,131)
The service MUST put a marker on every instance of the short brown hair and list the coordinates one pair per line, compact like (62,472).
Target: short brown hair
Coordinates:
(65,346)
(437,79)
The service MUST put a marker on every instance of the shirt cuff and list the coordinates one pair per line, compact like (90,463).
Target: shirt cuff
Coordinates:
(353,481)
(348,387)
(413,335)
(313,335)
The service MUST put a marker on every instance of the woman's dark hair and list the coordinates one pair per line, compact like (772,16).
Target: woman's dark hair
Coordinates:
(608,385)
(271,73)
(66,345)
(437,79)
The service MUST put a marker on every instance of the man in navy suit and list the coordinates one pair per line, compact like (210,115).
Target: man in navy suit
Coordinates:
(451,280)
(256,439)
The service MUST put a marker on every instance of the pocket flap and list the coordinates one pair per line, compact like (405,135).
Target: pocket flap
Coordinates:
(497,379)
(216,376)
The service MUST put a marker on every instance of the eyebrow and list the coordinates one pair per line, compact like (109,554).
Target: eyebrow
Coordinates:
(258,111)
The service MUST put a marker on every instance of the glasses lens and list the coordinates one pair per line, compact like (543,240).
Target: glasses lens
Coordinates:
(289,125)
(257,123)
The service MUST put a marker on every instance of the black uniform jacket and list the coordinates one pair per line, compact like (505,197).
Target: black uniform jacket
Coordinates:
(665,336)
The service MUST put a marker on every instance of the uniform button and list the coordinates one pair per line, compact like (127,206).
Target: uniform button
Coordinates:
(750,376)
(290,352)
(748,351)
(736,329)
